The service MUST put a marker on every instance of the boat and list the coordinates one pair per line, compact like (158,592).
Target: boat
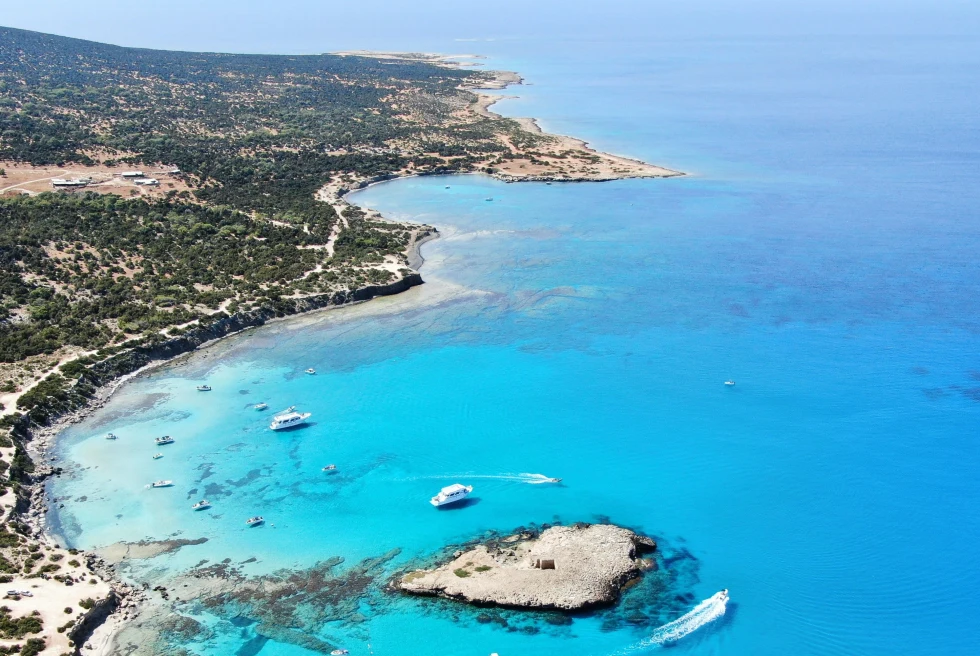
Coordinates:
(311,371)
(289,419)
(329,468)
(447,186)
(254,521)
(157,456)
(553,480)
(489,199)
(161,484)
(203,504)
(261,406)
(730,383)
(166,439)
(344,652)
(203,388)
(110,436)
(451,494)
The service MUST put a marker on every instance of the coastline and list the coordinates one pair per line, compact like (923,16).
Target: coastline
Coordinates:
(39,437)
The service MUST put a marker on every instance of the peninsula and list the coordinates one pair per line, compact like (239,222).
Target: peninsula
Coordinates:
(153,201)
(564,568)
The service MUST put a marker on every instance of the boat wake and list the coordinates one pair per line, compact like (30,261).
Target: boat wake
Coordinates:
(704,613)
(530,479)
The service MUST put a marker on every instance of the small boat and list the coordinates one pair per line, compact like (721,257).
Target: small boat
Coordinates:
(111,436)
(730,383)
(489,199)
(451,494)
(157,456)
(166,439)
(203,388)
(261,406)
(344,652)
(447,186)
(289,419)
(161,484)
(330,468)
(311,371)
(553,480)
(203,504)
(254,521)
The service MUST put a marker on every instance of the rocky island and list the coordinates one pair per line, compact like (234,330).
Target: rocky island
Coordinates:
(563,568)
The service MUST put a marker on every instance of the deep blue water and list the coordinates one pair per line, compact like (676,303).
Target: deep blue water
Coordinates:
(823,254)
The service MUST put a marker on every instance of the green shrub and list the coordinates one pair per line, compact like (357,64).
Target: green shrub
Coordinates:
(461,573)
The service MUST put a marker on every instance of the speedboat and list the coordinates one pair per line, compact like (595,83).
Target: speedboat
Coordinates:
(553,480)
(289,419)
(344,652)
(203,388)
(451,494)
(157,456)
(261,406)
(329,468)
(254,521)
(162,484)
(166,439)
(203,504)
(110,436)
(311,371)
(489,199)
(447,186)
(730,383)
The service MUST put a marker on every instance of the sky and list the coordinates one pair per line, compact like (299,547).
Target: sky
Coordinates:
(312,26)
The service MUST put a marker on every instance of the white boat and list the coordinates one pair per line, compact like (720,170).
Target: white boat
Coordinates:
(730,383)
(330,468)
(110,436)
(489,199)
(203,504)
(162,484)
(289,419)
(157,456)
(166,439)
(261,406)
(451,494)
(311,371)
(254,521)
(344,652)
(203,388)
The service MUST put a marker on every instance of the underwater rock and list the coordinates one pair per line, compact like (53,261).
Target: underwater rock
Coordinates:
(564,568)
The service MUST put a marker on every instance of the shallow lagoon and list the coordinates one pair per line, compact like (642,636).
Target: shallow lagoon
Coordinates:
(584,331)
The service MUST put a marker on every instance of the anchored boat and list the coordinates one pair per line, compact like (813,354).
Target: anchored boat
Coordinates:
(166,439)
(203,504)
(254,521)
(289,419)
(261,406)
(161,484)
(451,494)
(203,388)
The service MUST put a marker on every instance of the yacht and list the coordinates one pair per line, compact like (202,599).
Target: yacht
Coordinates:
(162,484)
(157,456)
(254,521)
(730,383)
(203,388)
(289,419)
(111,436)
(166,439)
(451,494)
(261,406)
(203,504)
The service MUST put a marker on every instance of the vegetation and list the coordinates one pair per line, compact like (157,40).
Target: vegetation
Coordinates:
(461,573)
(15,629)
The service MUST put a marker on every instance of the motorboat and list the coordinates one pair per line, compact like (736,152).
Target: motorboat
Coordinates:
(451,494)
(311,371)
(553,480)
(203,504)
(157,456)
(254,521)
(730,383)
(166,439)
(261,406)
(330,468)
(489,199)
(110,436)
(289,419)
(344,652)
(447,186)
(203,388)
(162,484)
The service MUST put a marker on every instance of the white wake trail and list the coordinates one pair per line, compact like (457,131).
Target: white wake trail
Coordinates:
(704,613)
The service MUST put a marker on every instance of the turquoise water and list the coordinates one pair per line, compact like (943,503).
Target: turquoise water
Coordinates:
(824,255)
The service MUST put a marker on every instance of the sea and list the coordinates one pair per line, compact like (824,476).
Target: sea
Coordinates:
(823,253)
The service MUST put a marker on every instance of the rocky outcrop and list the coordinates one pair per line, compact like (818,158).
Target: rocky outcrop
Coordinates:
(93,619)
(563,568)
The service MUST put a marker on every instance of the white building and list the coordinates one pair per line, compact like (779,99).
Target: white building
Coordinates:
(132,174)
(148,182)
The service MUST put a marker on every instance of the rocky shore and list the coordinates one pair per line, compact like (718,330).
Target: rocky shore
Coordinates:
(564,568)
